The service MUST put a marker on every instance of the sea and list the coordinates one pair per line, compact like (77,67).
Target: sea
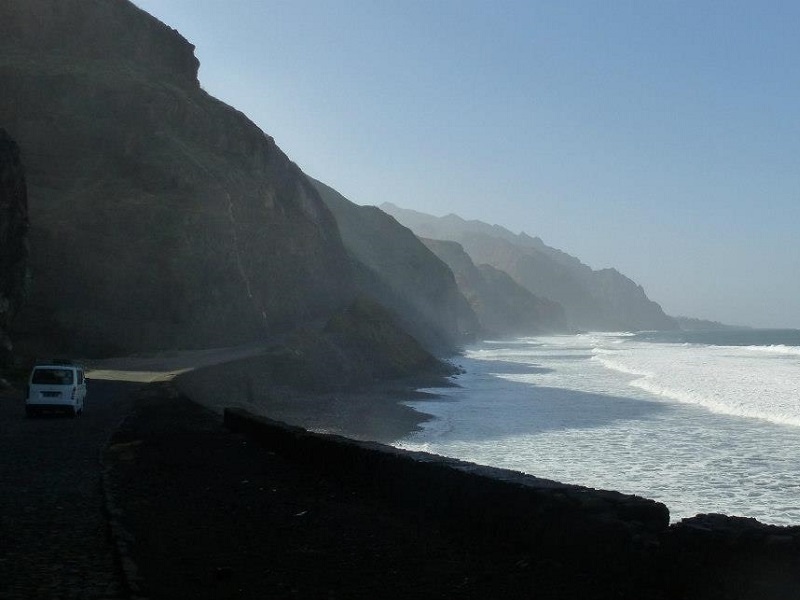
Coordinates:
(703,421)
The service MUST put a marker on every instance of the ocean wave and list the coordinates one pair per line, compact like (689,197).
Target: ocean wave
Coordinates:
(702,428)
(726,380)
(604,351)
(774,349)
(616,366)
(725,406)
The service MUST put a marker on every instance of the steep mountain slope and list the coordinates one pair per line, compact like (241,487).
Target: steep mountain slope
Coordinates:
(160,217)
(503,307)
(600,300)
(395,267)
(357,346)
(13,238)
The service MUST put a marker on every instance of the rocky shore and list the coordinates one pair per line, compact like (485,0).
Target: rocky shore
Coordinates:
(205,505)
(204,512)
(207,512)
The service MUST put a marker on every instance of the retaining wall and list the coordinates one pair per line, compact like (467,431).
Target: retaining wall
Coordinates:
(623,544)
(617,532)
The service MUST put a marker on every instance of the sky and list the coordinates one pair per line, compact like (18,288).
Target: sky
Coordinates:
(657,137)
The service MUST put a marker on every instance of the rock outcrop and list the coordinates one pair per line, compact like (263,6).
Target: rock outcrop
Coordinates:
(393,266)
(161,217)
(358,346)
(597,300)
(503,307)
(694,324)
(713,556)
(101,31)
(13,238)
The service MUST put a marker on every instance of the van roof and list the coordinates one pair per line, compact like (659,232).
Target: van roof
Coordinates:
(54,361)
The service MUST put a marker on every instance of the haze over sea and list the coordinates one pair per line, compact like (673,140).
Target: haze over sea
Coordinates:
(702,421)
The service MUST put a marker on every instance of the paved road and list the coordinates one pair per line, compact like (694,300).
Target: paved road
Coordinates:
(54,540)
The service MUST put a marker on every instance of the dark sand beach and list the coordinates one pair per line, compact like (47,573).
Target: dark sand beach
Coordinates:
(377,413)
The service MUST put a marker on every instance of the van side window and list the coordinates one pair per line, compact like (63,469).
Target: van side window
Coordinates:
(80,377)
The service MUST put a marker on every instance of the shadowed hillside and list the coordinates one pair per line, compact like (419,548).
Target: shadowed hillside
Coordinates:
(160,217)
(395,267)
(358,346)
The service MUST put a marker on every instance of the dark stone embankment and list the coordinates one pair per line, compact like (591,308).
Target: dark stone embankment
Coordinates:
(488,502)
(204,512)
(608,545)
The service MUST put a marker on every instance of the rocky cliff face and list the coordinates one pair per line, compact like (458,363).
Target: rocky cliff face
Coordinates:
(597,300)
(160,217)
(100,32)
(13,238)
(625,303)
(394,267)
(503,307)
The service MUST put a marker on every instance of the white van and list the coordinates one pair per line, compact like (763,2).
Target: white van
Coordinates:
(56,386)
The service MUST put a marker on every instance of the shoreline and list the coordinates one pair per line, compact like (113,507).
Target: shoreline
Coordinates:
(252,507)
(372,413)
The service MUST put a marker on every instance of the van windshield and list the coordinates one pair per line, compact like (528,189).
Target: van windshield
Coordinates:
(52,376)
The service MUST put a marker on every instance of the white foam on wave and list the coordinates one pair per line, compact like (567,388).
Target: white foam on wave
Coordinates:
(723,404)
(658,420)
(731,380)
(602,356)
(775,349)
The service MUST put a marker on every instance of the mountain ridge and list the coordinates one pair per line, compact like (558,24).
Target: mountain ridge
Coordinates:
(502,306)
(401,272)
(602,300)
(160,216)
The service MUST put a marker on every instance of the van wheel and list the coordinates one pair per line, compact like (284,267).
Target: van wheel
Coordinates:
(73,412)
(30,412)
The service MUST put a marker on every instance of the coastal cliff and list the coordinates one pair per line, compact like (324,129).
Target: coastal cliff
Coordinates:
(160,217)
(503,307)
(602,300)
(13,238)
(397,269)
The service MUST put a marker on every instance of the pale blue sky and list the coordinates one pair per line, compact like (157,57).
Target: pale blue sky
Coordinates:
(658,137)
